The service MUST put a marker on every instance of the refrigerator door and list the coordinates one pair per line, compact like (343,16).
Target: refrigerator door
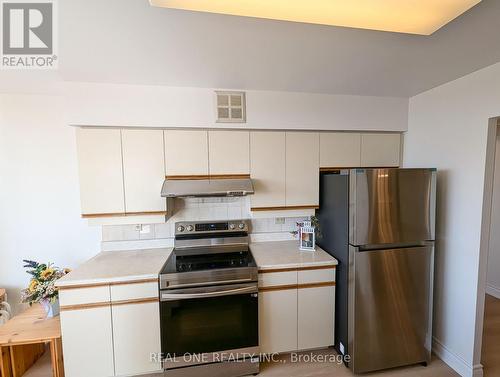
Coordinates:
(390,307)
(391,206)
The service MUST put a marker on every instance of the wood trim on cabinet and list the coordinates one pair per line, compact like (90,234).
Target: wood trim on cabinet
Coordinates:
(325,267)
(271,270)
(212,176)
(278,288)
(328,169)
(138,281)
(122,214)
(85,306)
(135,301)
(90,285)
(316,285)
(284,208)
(297,286)
(307,268)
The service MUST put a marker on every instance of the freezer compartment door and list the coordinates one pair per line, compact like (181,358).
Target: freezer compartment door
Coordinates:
(391,206)
(390,313)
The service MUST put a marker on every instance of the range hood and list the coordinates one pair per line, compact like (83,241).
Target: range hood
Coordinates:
(175,188)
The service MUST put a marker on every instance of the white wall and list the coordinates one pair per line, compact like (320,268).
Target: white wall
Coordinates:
(39,192)
(448,129)
(142,105)
(493,277)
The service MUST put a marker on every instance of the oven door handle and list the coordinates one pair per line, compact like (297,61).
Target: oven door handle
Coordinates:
(185,296)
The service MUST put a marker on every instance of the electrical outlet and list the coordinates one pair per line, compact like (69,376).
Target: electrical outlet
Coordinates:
(279,220)
(145,229)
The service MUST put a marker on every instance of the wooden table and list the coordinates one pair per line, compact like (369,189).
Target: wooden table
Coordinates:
(23,339)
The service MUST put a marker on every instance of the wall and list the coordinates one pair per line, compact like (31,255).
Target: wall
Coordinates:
(121,237)
(39,192)
(493,277)
(448,129)
(142,105)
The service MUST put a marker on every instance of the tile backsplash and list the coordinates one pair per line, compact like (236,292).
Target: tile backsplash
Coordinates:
(197,209)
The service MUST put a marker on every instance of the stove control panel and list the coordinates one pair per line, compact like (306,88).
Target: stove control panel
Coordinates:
(187,227)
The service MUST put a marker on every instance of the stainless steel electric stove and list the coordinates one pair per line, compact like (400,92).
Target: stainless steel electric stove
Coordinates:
(209,301)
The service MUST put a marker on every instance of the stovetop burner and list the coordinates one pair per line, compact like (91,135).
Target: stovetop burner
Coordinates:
(209,253)
(211,261)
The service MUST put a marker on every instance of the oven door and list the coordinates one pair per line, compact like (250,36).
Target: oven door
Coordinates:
(216,320)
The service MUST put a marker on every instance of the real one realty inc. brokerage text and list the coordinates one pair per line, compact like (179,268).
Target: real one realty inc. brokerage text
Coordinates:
(294,357)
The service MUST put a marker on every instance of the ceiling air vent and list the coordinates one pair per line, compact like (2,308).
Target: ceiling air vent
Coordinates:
(231,107)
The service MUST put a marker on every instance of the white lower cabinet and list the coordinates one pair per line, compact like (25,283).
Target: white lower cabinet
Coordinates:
(136,337)
(111,330)
(296,309)
(278,321)
(87,342)
(316,317)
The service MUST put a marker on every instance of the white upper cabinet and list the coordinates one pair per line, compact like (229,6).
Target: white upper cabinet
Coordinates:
(380,150)
(302,169)
(143,170)
(267,168)
(229,152)
(186,152)
(340,149)
(100,168)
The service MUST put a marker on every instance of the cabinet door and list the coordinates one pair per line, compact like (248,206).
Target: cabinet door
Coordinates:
(229,152)
(340,149)
(302,169)
(316,317)
(278,320)
(143,170)
(100,168)
(186,152)
(380,150)
(267,168)
(87,342)
(136,336)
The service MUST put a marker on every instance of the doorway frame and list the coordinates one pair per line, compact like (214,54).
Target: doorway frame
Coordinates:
(492,132)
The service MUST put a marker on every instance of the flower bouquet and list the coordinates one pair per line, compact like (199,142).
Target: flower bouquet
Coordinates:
(42,287)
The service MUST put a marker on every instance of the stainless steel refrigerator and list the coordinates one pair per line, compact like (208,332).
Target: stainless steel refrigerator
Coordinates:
(379,224)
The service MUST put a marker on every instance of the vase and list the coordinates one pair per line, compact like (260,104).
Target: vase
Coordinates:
(51,308)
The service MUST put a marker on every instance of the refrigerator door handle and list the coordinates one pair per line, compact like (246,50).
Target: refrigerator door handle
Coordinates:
(362,248)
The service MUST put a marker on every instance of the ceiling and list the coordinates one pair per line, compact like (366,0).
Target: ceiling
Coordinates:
(408,16)
(129,41)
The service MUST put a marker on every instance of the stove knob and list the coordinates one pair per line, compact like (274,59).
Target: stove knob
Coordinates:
(190,228)
(232,226)
(180,228)
(241,226)
(181,267)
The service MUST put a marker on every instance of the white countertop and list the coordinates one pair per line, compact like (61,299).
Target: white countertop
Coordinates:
(286,254)
(121,266)
(118,266)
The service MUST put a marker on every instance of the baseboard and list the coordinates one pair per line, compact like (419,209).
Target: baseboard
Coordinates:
(455,361)
(493,291)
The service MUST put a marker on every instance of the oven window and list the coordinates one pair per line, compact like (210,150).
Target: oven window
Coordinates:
(209,324)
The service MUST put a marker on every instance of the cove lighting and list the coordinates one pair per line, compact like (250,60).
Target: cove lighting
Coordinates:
(403,16)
